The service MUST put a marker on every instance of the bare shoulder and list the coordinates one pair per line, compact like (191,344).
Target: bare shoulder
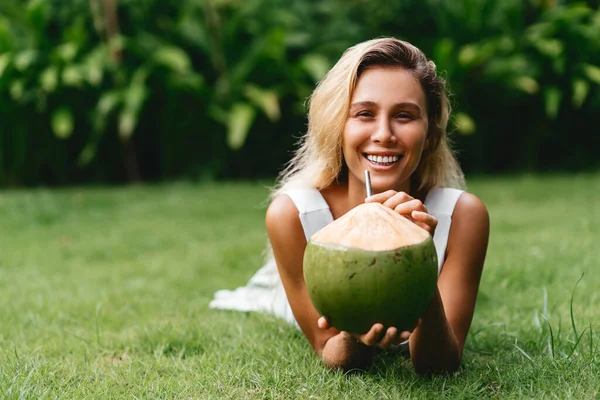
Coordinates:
(470,207)
(283,222)
(282,212)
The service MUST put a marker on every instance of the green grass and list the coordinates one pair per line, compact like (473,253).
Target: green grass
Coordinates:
(104,294)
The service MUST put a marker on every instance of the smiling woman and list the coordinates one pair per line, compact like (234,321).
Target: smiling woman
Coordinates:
(381,108)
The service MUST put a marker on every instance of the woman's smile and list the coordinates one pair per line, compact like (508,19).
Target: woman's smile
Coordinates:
(382,161)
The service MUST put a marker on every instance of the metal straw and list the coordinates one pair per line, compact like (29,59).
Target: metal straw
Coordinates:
(368,183)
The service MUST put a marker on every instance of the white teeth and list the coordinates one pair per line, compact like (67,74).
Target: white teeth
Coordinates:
(383,160)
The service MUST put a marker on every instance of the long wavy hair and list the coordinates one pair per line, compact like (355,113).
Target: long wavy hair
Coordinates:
(318,161)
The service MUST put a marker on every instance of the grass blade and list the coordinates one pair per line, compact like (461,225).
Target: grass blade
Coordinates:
(571,308)
(576,343)
(551,343)
(523,352)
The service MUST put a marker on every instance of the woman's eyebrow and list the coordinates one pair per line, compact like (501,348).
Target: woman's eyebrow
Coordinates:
(370,104)
(362,104)
(409,104)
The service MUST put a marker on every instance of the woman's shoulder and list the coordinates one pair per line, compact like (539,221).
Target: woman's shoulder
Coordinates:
(471,215)
(283,224)
(470,204)
(282,210)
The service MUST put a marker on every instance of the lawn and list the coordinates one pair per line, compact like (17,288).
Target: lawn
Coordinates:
(105,294)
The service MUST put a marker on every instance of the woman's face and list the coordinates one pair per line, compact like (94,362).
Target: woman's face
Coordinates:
(386,129)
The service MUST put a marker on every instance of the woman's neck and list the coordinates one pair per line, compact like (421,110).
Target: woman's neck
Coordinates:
(344,196)
(357,192)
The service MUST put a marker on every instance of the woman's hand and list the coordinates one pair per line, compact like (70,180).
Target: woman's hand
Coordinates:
(375,336)
(407,206)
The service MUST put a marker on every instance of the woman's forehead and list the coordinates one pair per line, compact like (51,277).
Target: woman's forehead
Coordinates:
(388,84)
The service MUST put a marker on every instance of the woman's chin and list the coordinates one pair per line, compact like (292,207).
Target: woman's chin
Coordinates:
(384,186)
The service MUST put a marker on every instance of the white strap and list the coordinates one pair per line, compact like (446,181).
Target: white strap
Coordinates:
(440,203)
(312,208)
(307,200)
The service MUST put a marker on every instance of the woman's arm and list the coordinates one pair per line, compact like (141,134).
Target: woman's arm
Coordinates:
(288,242)
(436,345)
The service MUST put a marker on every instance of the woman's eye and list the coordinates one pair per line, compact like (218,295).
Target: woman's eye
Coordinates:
(403,116)
(364,114)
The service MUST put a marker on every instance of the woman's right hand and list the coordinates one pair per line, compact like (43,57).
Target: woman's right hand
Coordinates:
(376,336)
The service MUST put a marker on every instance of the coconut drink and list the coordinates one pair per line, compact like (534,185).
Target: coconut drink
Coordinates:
(371,265)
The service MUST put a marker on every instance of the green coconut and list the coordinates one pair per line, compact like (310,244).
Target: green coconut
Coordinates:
(371,265)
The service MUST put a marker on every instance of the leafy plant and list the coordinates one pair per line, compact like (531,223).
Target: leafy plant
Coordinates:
(100,90)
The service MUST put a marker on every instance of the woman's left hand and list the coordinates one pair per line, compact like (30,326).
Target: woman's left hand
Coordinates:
(407,206)
(378,335)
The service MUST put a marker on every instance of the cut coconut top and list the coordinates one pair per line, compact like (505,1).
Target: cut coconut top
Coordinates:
(373,227)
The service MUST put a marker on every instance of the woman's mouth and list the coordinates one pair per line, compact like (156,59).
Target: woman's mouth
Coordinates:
(382,160)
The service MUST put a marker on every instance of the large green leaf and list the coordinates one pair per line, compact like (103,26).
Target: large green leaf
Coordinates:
(550,47)
(580,92)
(526,84)
(506,69)
(173,58)
(552,97)
(592,72)
(87,154)
(240,120)
(73,76)
(66,52)
(189,81)
(316,65)
(266,100)
(464,124)
(5,59)
(17,89)
(49,79)
(25,59)
(128,119)
(108,102)
(468,55)
(194,31)
(62,122)
(94,65)
(134,97)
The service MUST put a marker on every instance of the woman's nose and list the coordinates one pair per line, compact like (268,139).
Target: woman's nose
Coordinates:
(383,133)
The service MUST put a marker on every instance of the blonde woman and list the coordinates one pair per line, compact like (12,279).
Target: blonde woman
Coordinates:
(381,108)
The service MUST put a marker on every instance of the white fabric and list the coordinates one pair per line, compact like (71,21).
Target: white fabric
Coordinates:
(264,291)
(312,208)
(440,203)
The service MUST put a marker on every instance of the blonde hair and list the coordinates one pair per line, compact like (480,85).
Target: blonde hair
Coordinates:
(318,162)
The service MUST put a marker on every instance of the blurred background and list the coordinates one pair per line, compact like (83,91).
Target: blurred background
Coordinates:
(119,91)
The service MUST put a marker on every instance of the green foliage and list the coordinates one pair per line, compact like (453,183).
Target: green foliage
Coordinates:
(143,89)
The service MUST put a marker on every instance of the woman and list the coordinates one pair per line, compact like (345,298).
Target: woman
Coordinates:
(381,108)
